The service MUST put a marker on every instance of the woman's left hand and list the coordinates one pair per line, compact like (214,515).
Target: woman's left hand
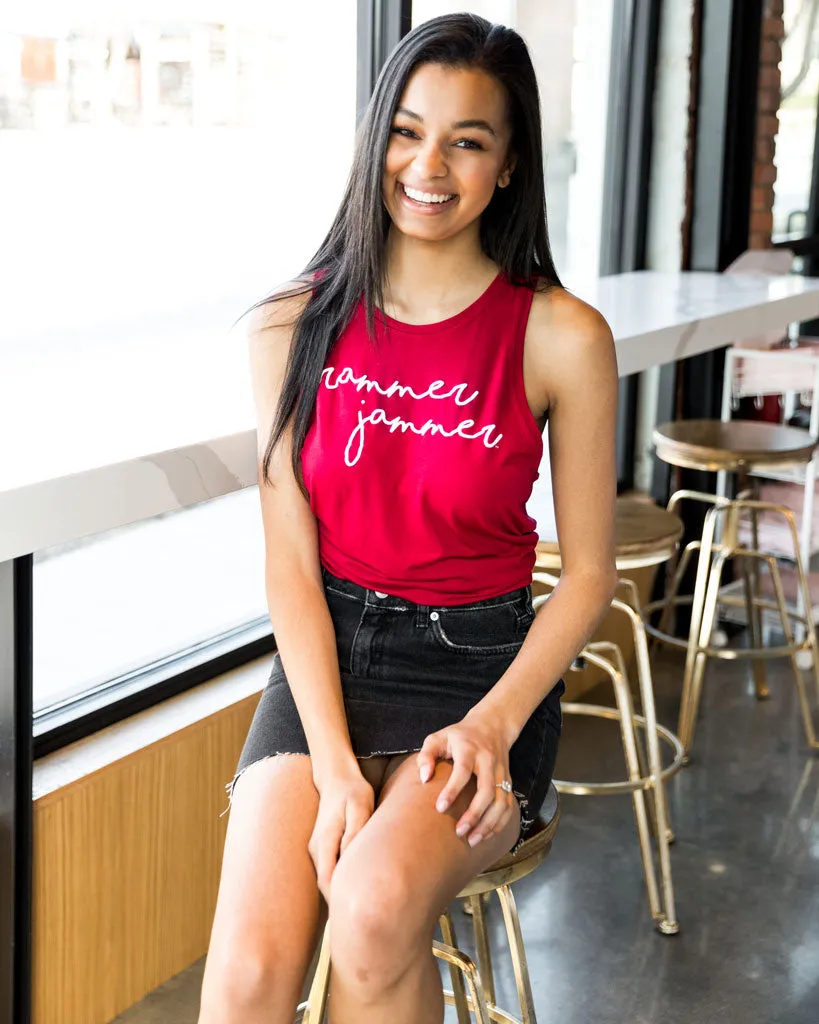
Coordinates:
(475,746)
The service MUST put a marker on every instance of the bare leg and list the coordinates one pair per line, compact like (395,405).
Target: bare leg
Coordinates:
(269,911)
(388,891)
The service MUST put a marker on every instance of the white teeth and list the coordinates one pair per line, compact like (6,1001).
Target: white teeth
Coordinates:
(425,197)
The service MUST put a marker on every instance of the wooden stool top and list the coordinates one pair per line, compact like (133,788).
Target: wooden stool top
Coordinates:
(737,444)
(644,534)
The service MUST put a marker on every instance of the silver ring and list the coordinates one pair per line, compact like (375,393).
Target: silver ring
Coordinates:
(506,786)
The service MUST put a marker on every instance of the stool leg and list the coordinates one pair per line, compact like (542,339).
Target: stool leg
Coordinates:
(755,614)
(642,761)
(317,997)
(466,906)
(622,695)
(448,932)
(667,922)
(700,590)
(709,612)
(673,589)
(482,946)
(456,958)
(752,613)
(518,953)
(807,719)
(644,678)
(804,590)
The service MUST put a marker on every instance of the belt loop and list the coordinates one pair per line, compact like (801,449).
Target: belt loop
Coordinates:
(422,616)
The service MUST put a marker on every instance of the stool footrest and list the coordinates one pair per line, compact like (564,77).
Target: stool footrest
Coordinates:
(495,1012)
(726,653)
(629,785)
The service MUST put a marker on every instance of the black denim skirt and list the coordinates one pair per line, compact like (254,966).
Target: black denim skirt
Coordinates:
(410,669)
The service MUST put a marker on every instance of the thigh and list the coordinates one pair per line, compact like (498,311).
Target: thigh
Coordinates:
(417,844)
(267,872)
(374,768)
(269,910)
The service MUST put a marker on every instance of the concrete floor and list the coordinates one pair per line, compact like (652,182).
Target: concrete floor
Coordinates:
(745,867)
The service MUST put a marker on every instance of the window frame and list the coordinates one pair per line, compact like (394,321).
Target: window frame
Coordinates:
(634,45)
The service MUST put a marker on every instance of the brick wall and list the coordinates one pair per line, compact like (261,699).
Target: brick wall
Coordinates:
(690,157)
(762,193)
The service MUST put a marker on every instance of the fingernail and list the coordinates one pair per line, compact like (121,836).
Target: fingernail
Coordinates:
(474,840)
(462,830)
(441,805)
(425,773)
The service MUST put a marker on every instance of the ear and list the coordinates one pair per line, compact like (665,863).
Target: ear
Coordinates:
(506,173)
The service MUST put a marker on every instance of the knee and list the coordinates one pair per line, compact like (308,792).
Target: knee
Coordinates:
(377,922)
(244,983)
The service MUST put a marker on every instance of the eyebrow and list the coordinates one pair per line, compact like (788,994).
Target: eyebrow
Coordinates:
(474,122)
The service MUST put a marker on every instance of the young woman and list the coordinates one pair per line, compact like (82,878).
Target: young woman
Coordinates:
(402,383)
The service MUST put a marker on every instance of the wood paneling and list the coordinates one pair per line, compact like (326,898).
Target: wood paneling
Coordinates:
(126,869)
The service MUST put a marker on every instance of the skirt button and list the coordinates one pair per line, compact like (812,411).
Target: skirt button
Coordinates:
(434,616)
(379,594)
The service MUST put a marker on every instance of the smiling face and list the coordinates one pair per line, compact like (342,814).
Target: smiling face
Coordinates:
(448,147)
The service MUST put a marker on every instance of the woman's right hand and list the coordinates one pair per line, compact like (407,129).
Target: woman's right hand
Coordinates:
(346,802)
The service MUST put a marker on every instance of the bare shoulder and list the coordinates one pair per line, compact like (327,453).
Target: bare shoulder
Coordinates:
(569,341)
(270,324)
(267,333)
(558,318)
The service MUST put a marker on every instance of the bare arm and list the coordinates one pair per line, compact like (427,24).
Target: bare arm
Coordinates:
(578,370)
(295,593)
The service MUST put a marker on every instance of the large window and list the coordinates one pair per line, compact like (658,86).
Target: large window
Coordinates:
(795,139)
(570,45)
(163,163)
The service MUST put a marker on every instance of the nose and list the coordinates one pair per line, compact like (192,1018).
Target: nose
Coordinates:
(429,162)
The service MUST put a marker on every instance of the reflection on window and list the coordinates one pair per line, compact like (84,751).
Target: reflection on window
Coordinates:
(569,43)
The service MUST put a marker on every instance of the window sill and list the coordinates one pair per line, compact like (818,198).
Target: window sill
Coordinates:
(77,761)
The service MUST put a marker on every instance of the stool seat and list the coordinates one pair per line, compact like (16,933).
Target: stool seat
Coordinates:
(542,833)
(644,534)
(735,444)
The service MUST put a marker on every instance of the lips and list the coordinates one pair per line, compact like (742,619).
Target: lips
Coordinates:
(422,205)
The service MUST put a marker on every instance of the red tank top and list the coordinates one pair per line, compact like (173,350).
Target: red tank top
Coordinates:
(421,454)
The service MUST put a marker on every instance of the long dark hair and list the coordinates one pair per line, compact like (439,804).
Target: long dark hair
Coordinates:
(513,228)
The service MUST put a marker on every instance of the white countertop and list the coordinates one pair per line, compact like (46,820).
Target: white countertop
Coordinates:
(100,435)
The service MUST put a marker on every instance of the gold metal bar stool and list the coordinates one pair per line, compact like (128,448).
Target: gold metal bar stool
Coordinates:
(734,446)
(473,986)
(645,535)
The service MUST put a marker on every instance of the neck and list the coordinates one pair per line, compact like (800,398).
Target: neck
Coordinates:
(421,275)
